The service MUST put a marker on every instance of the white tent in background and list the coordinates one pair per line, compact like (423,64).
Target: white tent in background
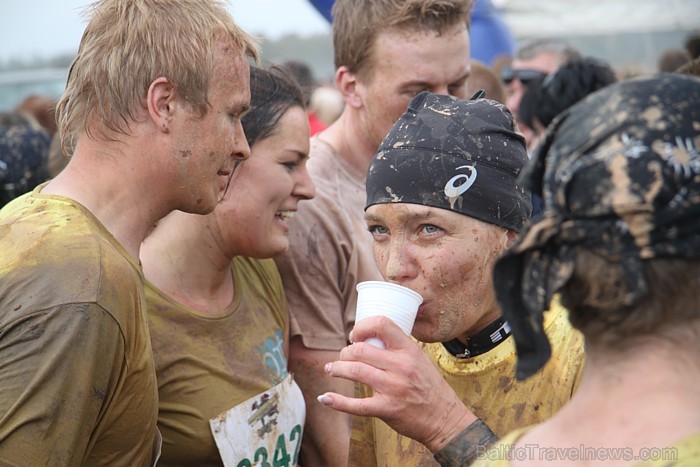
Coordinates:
(554,18)
(624,32)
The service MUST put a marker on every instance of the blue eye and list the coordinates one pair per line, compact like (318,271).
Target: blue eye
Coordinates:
(377,229)
(429,228)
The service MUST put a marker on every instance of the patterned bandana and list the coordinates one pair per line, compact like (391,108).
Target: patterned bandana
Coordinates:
(619,174)
(460,155)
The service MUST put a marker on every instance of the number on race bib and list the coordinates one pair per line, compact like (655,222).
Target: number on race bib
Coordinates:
(296,432)
(281,457)
(261,458)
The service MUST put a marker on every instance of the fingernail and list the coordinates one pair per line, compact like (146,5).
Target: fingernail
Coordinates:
(324,399)
(328,367)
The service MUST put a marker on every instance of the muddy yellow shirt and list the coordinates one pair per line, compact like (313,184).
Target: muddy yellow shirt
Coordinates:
(487,385)
(685,453)
(77,381)
(208,365)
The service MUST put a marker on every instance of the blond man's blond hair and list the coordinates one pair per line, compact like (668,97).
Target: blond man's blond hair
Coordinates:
(126,45)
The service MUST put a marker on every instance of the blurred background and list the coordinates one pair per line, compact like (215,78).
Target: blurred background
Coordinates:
(38,38)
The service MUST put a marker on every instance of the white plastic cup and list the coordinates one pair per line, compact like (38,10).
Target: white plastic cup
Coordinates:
(396,302)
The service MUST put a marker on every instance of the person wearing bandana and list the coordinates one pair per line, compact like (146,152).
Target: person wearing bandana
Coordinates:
(619,240)
(443,203)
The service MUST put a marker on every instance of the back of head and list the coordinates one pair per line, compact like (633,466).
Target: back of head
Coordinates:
(560,49)
(573,81)
(41,108)
(672,59)
(690,68)
(483,77)
(327,103)
(127,44)
(23,159)
(13,119)
(692,44)
(460,155)
(619,173)
(357,23)
(303,75)
(272,94)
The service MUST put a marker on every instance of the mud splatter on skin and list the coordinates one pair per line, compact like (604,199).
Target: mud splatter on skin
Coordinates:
(467,301)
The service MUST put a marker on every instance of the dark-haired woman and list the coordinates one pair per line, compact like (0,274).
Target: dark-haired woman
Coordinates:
(217,311)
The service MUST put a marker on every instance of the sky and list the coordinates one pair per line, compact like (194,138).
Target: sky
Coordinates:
(45,28)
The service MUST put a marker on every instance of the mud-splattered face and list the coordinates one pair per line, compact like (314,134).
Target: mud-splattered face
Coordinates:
(406,64)
(206,146)
(446,257)
(266,190)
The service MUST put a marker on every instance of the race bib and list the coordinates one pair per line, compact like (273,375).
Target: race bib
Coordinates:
(265,430)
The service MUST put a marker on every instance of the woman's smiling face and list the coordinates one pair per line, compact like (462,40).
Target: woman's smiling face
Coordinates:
(266,189)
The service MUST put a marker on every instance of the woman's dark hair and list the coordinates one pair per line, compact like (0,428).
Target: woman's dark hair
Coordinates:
(272,94)
(543,100)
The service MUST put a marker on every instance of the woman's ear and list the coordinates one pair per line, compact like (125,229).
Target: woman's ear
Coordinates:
(512,237)
(507,238)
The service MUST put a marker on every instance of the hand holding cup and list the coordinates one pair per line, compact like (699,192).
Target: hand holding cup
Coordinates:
(396,302)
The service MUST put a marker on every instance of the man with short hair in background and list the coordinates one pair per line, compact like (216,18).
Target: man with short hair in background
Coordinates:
(386,52)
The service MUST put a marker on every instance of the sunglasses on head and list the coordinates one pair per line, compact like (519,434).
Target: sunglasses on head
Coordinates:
(526,76)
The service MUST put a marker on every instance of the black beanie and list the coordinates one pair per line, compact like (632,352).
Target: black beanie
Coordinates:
(460,155)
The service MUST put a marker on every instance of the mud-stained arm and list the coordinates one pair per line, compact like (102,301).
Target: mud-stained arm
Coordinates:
(326,432)
(466,446)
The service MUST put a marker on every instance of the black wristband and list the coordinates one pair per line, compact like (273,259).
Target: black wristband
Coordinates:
(463,449)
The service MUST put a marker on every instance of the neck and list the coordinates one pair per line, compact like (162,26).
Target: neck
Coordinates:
(182,258)
(115,190)
(639,398)
(350,141)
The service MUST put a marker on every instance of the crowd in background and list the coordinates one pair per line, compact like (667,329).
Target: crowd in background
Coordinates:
(30,152)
